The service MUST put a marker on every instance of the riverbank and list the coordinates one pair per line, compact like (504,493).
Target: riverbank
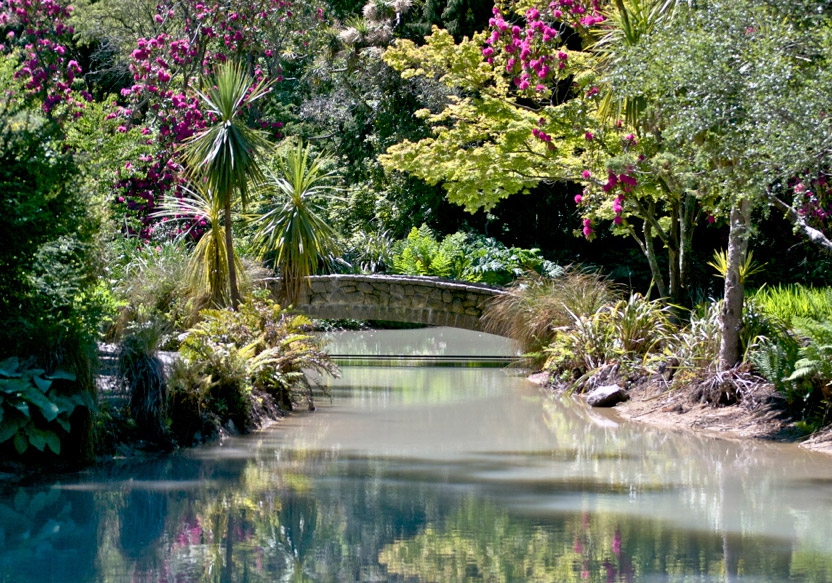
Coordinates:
(759,412)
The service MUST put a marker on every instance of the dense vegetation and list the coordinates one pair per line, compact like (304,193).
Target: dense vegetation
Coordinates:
(160,159)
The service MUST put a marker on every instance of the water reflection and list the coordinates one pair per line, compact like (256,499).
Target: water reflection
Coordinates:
(445,475)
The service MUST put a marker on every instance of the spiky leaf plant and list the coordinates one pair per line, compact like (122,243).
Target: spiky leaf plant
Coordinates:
(224,156)
(294,234)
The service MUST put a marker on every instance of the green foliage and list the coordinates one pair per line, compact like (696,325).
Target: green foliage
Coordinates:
(467,258)
(206,279)
(775,360)
(623,333)
(225,156)
(747,268)
(695,348)
(787,302)
(812,376)
(493,263)
(230,357)
(47,230)
(36,408)
(422,254)
(369,252)
(294,235)
(148,283)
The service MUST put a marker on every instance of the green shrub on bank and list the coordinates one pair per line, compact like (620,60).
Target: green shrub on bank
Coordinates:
(625,333)
(231,359)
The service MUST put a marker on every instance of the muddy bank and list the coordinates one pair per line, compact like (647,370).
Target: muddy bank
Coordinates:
(759,412)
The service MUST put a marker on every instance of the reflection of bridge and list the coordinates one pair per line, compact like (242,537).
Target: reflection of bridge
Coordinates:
(396,298)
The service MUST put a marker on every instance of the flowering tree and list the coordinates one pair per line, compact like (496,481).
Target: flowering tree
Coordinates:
(531,108)
(38,34)
(181,43)
(742,90)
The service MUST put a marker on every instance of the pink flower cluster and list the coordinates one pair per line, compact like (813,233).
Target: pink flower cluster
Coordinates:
(192,37)
(577,13)
(531,60)
(38,28)
(814,200)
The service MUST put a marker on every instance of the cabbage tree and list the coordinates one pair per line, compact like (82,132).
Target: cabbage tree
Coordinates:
(223,157)
(294,233)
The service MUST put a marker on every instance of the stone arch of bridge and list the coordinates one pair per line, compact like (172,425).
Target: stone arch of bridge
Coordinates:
(397,298)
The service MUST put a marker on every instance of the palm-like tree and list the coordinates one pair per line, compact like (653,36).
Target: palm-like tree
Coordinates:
(294,232)
(224,156)
(206,274)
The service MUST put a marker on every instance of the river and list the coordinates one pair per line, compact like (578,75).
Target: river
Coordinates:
(433,472)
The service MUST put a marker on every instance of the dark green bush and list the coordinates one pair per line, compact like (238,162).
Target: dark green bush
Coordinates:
(36,408)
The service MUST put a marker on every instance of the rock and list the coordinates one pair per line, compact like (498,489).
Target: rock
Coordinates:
(606,396)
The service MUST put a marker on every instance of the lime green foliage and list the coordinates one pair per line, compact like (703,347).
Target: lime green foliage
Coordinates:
(787,302)
(35,407)
(231,357)
(422,254)
(481,148)
(293,235)
(747,268)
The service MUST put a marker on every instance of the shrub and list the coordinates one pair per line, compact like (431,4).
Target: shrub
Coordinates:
(622,333)
(36,408)
(231,358)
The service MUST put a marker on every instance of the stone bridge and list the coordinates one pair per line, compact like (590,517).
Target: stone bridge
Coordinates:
(397,298)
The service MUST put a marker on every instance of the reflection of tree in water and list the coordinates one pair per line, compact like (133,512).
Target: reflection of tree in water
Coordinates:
(141,525)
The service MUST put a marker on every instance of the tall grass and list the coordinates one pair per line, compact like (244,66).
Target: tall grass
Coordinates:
(535,307)
(787,302)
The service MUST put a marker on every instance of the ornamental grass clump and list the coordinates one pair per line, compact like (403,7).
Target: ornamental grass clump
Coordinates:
(626,333)
(536,308)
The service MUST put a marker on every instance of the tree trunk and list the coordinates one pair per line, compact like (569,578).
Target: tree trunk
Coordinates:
(232,265)
(687,213)
(731,317)
(650,252)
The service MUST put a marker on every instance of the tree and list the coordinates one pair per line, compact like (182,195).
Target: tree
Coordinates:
(224,156)
(529,108)
(293,234)
(741,88)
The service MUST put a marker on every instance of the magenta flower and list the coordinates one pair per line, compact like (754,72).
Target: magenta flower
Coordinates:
(589,136)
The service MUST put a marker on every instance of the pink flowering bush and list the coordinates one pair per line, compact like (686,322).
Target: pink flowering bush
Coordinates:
(37,33)
(191,38)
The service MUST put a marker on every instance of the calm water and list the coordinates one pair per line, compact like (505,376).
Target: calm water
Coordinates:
(424,474)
